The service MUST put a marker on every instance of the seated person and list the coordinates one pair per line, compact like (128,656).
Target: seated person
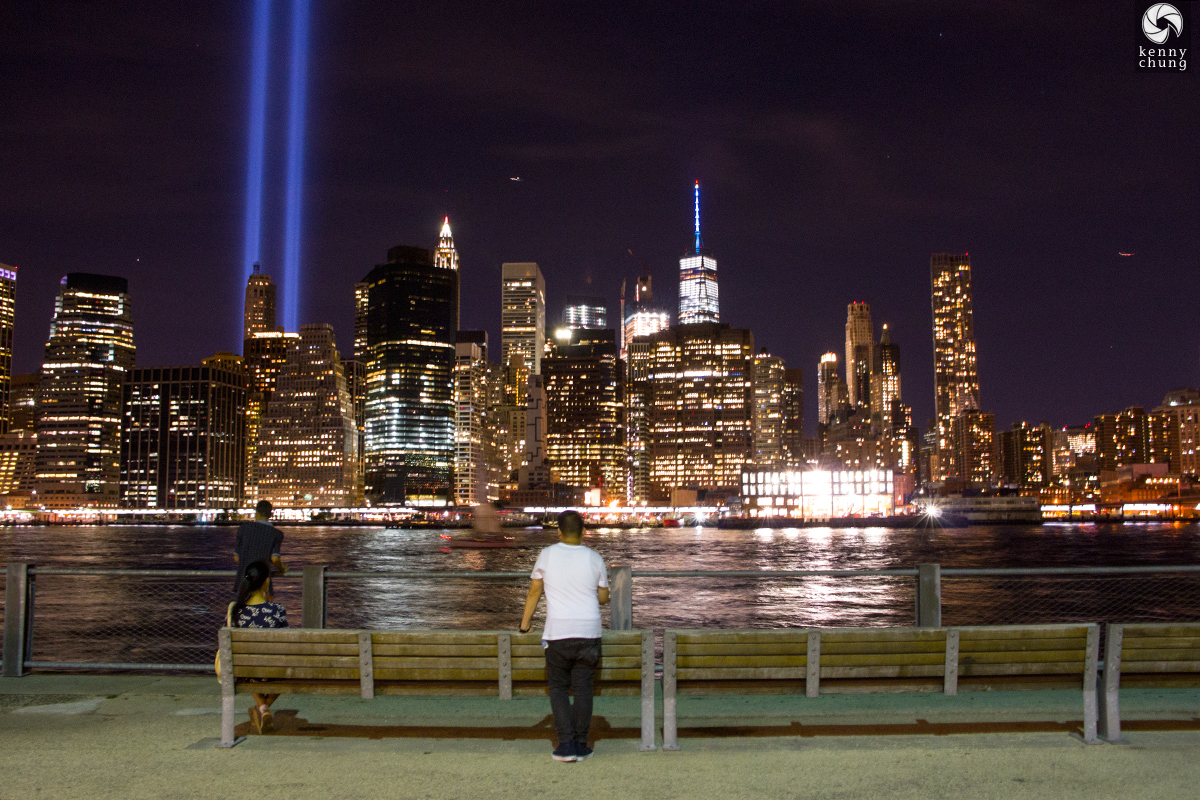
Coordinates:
(254,608)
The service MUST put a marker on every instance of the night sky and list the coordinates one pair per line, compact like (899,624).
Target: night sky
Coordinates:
(837,146)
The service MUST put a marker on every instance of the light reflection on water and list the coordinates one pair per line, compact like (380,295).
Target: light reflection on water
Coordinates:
(73,609)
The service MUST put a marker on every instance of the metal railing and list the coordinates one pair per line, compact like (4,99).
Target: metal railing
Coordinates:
(166,620)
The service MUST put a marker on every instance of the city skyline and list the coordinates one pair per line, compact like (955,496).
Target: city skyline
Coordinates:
(803,190)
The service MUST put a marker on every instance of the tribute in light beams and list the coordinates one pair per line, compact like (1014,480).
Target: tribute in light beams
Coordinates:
(254,162)
(295,166)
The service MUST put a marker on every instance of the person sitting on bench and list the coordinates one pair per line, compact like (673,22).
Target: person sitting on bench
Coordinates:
(255,608)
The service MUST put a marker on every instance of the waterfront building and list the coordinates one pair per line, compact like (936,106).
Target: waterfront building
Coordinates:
(698,301)
(260,304)
(642,316)
(585,312)
(885,382)
(1179,421)
(793,442)
(88,356)
(471,396)
(18,468)
(356,385)
(637,421)
(1026,455)
(585,435)
(956,376)
(768,410)
(361,296)
(308,444)
(22,402)
(445,257)
(264,355)
(818,494)
(700,407)
(183,441)
(522,324)
(860,353)
(972,442)
(412,316)
(831,389)
(8,316)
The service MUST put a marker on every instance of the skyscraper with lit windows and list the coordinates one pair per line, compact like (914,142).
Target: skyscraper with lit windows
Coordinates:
(8,316)
(260,304)
(643,317)
(522,320)
(885,382)
(88,357)
(860,351)
(698,301)
(585,312)
(955,374)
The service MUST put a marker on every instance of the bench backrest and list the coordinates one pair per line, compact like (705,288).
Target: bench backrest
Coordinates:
(621,656)
(294,654)
(1159,648)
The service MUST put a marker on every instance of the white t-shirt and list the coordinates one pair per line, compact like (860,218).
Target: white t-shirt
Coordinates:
(571,574)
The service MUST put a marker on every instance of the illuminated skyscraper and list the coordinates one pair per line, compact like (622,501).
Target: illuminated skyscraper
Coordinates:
(585,438)
(793,417)
(18,468)
(8,315)
(700,407)
(831,390)
(22,402)
(860,351)
(308,445)
(698,301)
(446,257)
(522,318)
(265,354)
(955,376)
(471,396)
(585,312)
(184,438)
(637,422)
(88,357)
(412,316)
(885,382)
(642,316)
(360,321)
(768,410)
(260,304)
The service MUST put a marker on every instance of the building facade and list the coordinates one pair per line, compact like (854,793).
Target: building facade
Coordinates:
(308,443)
(522,321)
(886,403)
(698,297)
(183,442)
(793,418)
(88,357)
(769,410)
(22,402)
(8,317)
(265,354)
(956,375)
(972,448)
(831,389)
(18,468)
(260,304)
(585,312)
(860,354)
(471,397)
(412,318)
(642,317)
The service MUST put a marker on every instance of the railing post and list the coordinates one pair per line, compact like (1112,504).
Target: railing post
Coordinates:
(18,624)
(312,597)
(621,597)
(929,595)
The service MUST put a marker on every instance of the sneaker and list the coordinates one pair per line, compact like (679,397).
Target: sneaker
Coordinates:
(564,752)
(268,722)
(582,751)
(256,719)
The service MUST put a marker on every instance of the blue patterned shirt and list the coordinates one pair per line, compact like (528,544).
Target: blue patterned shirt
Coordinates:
(266,615)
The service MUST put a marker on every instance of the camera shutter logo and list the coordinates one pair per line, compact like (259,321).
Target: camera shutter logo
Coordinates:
(1159,20)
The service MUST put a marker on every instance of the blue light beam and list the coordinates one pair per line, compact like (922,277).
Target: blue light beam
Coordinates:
(251,251)
(295,166)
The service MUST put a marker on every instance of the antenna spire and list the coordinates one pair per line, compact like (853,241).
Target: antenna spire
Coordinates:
(698,244)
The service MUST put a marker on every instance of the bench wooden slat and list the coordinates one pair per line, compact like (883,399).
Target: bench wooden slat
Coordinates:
(1038,668)
(1020,657)
(275,660)
(392,662)
(1158,666)
(743,674)
(293,635)
(299,673)
(432,637)
(881,659)
(892,671)
(1168,629)
(465,650)
(697,662)
(746,636)
(894,646)
(602,675)
(1151,642)
(1021,632)
(295,648)
(449,674)
(882,635)
(1016,645)
(607,663)
(1159,654)
(751,649)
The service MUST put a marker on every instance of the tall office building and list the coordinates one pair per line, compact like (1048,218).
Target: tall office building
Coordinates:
(638,368)
(446,257)
(585,436)
(360,321)
(88,357)
(260,304)
(471,397)
(522,322)
(885,382)
(698,301)
(18,468)
(793,417)
(22,402)
(972,448)
(183,443)
(831,390)
(956,376)
(8,316)
(700,407)
(265,353)
(643,317)
(1026,455)
(410,378)
(769,411)
(308,444)
(860,353)
(585,312)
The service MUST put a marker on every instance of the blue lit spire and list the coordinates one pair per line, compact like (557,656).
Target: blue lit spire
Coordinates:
(698,244)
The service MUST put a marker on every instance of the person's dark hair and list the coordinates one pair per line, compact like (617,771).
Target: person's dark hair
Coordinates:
(257,574)
(265,508)
(570,524)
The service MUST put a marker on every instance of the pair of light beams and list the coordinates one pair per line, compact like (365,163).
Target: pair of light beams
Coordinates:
(295,156)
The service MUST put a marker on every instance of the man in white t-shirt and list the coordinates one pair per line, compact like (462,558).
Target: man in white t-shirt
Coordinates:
(575,581)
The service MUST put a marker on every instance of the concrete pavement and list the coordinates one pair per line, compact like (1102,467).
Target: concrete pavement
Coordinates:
(133,737)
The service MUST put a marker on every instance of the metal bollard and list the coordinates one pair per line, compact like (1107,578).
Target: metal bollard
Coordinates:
(312,597)
(18,619)
(621,597)
(929,595)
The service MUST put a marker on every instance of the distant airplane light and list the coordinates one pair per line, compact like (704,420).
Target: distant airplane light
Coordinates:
(1124,254)
(515,179)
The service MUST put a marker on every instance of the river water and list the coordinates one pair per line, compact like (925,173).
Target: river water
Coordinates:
(174,621)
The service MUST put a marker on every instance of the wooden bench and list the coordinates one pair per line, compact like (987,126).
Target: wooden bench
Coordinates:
(406,662)
(853,660)
(1145,656)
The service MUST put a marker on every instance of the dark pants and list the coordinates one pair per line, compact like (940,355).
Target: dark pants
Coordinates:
(571,665)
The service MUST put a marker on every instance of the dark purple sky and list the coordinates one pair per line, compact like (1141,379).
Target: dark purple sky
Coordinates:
(837,145)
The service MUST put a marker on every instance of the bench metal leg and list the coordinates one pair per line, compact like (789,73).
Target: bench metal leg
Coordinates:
(227,694)
(812,672)
(670,729)
(647,691)
(1090,666)
(1110,686)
